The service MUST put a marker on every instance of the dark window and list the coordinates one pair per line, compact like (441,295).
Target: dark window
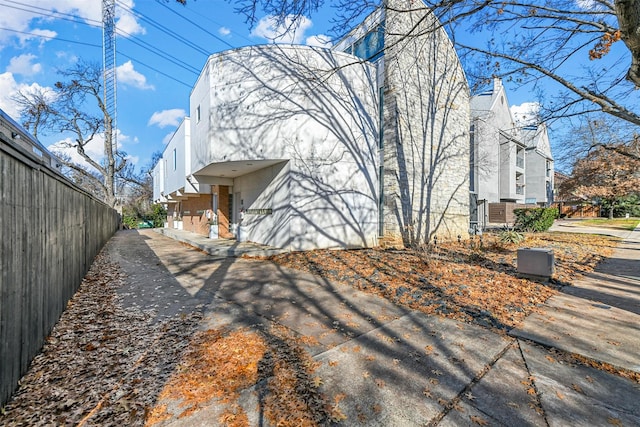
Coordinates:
(371,46)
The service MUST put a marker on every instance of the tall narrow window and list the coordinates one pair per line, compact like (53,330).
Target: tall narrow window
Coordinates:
(175,159)
(198,114)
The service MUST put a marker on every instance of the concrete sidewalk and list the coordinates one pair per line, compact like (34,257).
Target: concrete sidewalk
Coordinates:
(390,366)
(599,316)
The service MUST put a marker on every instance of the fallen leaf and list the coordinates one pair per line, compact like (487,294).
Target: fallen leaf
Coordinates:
(478,420)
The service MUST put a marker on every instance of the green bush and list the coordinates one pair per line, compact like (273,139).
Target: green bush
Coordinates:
(535,219)
(158,215)
(622,206)
(129,221)
(132,216)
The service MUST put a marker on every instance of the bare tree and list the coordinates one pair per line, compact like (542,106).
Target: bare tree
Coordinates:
(75,107)
(565,42)
(530,41)
(598,131)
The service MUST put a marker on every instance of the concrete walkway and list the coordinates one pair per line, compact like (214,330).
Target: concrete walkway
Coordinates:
(390,366)
(599,316)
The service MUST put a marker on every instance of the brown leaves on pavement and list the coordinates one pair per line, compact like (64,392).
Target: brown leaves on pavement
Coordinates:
(474,281)
(220,364)
(102,364)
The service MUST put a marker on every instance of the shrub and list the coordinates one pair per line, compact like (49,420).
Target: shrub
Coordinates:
(535,219)
(509,235)
(158,215)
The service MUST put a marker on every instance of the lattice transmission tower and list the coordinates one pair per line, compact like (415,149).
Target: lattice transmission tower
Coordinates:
(109,68)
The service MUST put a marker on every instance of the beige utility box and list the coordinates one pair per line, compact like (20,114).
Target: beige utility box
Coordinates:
(535,261)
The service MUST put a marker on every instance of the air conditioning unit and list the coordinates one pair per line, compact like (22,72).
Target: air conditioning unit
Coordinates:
(536,261)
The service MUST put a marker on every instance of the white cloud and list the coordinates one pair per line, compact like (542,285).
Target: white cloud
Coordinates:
(128,76)
(286,32)
(526,113)
(24,65)
(319,40)
(94,149)
(34,33)
(9,88)
(133,159)
(587,4)
(224,31)
(167,138)
(22,20)
(129,24)
(167,117)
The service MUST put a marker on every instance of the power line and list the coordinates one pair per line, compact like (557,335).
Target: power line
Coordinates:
(36,10)
(189,10)
(190,86)
(51,37)
(164,29)
(99,47)
(195,25)
(137,41)
(53,13)
(79,20)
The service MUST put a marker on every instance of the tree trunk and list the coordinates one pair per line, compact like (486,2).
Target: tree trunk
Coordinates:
(628,13)
(611,211)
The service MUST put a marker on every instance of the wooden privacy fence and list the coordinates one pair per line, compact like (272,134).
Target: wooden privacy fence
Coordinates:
(577,210)
(50,231)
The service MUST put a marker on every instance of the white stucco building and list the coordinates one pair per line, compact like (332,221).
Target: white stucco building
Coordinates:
(302,148)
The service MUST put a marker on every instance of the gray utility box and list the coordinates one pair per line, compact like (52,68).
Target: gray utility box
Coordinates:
(535,261)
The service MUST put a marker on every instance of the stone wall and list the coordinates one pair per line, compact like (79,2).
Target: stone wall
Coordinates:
(425,130)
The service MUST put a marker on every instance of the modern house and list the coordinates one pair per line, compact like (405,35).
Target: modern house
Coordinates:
(301,148)
(498,154)
(539,165)
(511,165)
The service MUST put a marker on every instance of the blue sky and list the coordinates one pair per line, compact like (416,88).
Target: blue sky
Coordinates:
(161,48)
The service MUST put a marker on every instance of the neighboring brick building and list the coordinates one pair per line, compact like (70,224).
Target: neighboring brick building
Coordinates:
(318,148)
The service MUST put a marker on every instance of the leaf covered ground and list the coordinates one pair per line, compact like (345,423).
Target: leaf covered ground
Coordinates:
(105,364)
(102,364)
(472,281)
